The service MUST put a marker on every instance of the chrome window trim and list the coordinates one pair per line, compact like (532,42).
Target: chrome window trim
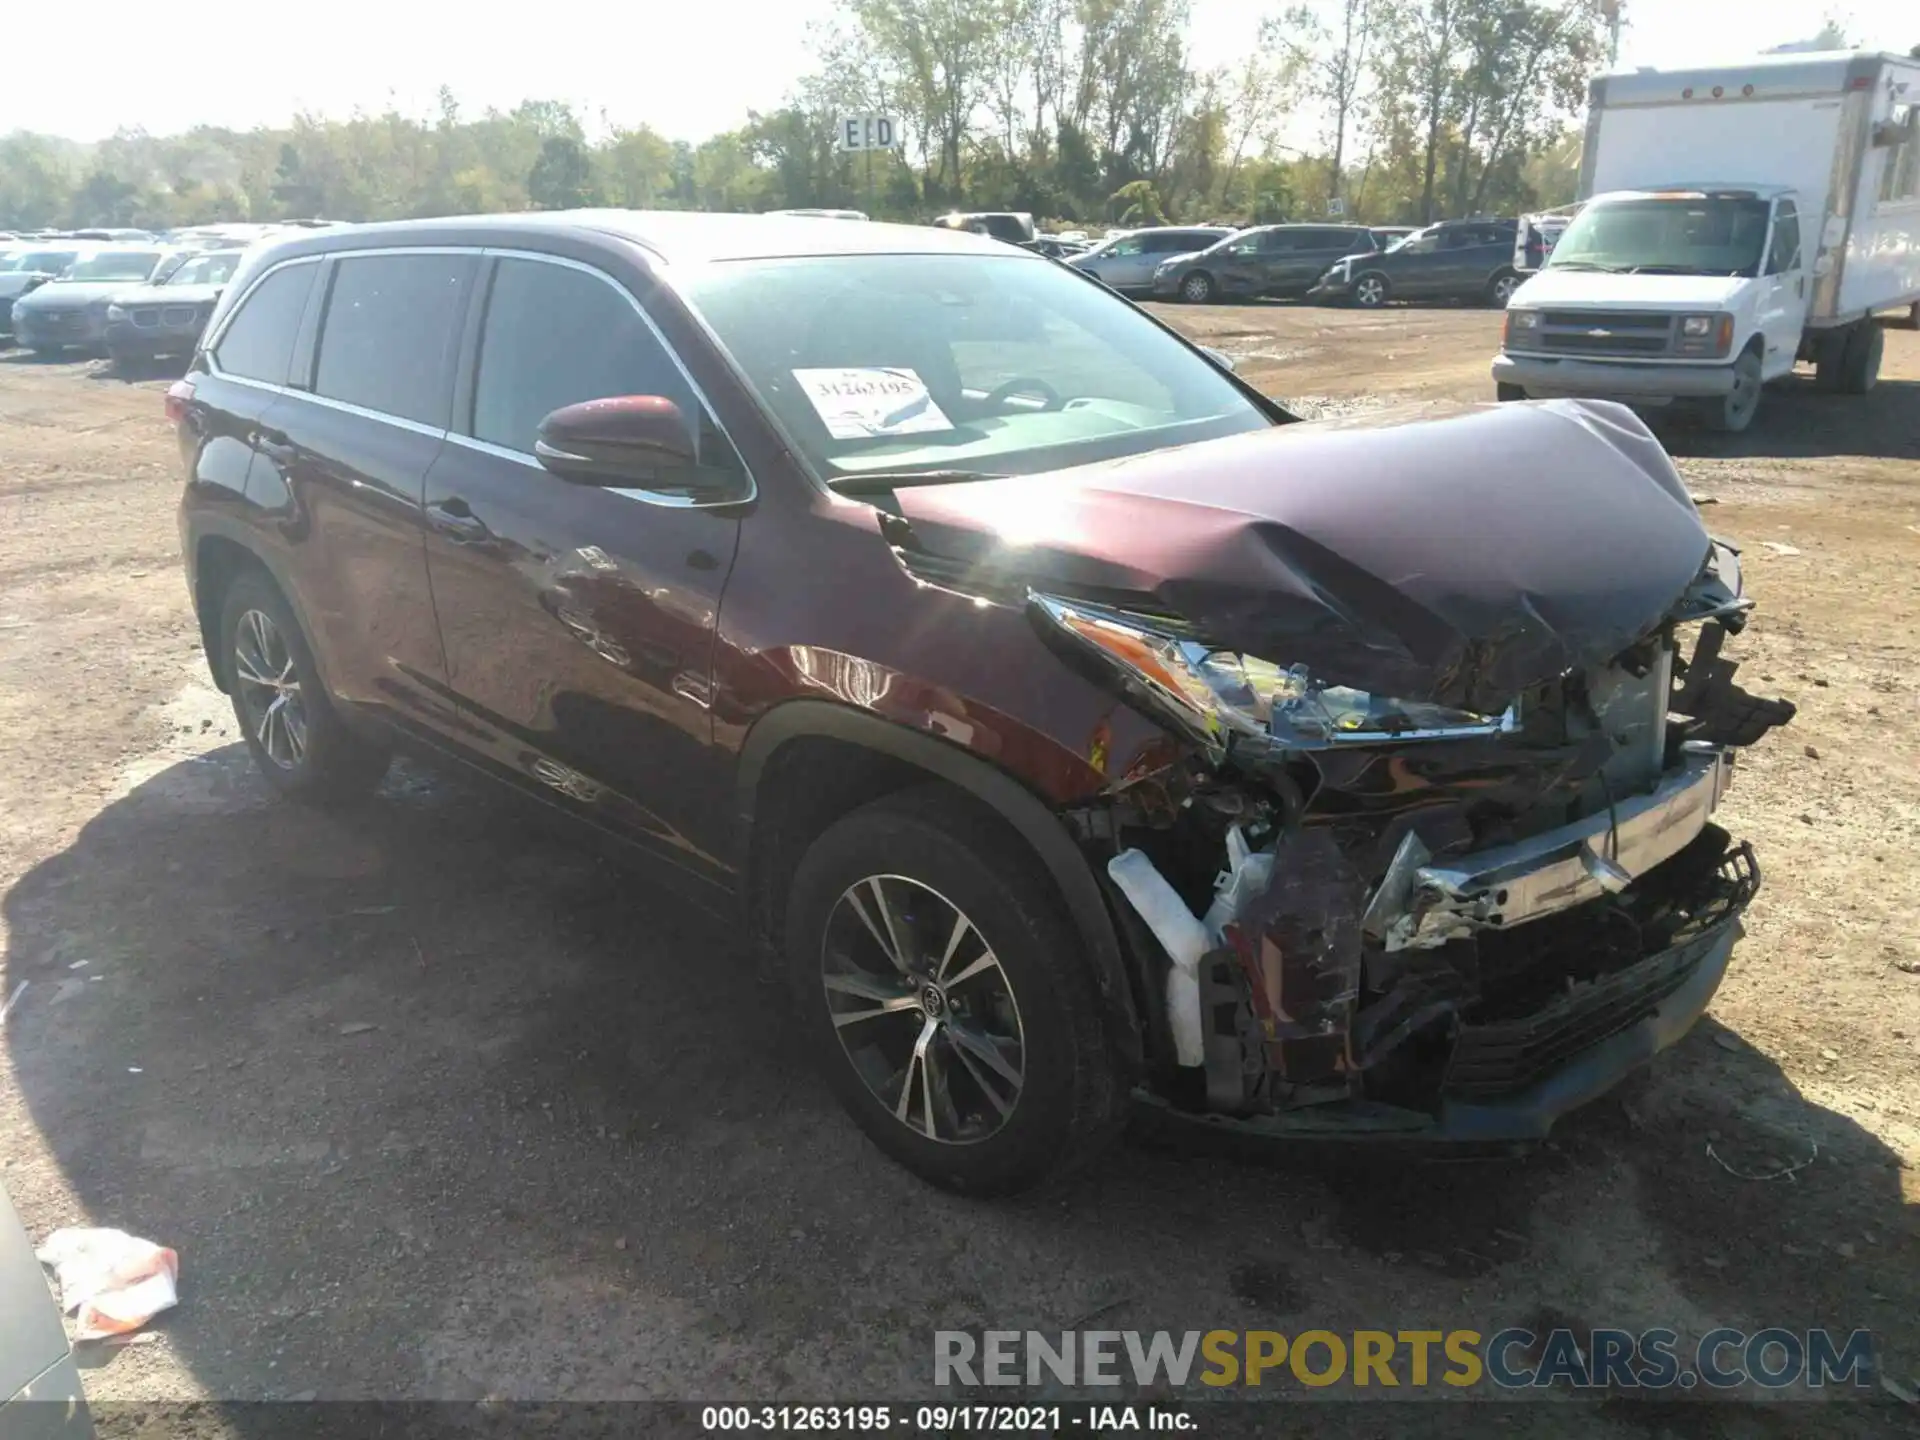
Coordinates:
(347,407)
(210,345)
(527,457)
(472,442)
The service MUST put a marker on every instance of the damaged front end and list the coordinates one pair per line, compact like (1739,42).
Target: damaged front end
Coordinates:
(1364,914)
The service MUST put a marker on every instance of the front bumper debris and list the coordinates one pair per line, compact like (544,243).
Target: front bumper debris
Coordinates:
(1513,1077)
(1420,905)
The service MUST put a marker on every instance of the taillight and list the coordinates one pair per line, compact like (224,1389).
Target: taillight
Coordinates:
(178,394)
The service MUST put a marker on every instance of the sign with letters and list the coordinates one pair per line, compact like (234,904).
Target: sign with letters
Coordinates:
(867,132)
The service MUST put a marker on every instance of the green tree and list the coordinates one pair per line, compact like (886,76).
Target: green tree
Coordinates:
(562,178)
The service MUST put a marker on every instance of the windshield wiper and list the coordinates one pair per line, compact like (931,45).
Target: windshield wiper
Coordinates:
(1587,265)
(883,482)
(1670,270)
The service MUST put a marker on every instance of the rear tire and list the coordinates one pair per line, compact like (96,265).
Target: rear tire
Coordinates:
(1734,412)
(297,740)
(1198,288)
(1500,289)
(1860,359)
(1031,1086)
(1372,290)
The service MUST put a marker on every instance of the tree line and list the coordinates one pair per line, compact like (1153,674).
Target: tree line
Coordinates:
(1087,111)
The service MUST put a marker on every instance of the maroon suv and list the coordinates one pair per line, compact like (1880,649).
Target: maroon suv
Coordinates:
(1077,728)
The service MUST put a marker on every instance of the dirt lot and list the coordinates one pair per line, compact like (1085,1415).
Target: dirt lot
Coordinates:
(435,1104)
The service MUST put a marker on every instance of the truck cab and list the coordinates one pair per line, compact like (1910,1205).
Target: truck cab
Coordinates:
(1695,293)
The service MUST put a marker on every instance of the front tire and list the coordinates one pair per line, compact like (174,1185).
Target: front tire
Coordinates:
(1734,412)
(1504,392)
(297,741)
(1372,290)
(946,997)
(1198,288)
(1500,289)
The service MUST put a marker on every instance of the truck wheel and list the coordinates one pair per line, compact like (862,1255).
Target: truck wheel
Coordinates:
(1860,358)
(1372,290)
(1734,411)
(1509,392)
(945,996)
(1500,289)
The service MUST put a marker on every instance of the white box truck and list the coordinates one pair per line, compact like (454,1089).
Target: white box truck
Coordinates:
(1733,221)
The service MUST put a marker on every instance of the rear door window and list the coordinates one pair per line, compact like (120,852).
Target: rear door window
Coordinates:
(391,334)
(257,343)
(555,336)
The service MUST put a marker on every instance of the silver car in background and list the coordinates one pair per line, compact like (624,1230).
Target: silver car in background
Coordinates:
(40,1395)
(1127,264)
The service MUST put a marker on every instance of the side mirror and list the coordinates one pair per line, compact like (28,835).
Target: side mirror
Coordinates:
(638,440)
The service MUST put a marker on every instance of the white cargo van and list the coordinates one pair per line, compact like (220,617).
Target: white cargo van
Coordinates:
(1734,220)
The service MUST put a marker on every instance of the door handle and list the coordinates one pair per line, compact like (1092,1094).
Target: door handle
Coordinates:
(453,518)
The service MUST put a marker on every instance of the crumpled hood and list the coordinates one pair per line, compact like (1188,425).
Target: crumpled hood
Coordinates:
(1452,555)
(1597,290)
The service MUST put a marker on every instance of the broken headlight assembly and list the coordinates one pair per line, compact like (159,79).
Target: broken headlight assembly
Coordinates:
(1214,695)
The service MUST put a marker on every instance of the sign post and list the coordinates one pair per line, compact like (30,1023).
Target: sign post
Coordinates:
(864,134)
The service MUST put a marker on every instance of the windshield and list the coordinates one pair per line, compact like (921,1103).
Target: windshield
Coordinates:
(214,269)
(1667,234)
(959,362)
(115,265)
(50,262)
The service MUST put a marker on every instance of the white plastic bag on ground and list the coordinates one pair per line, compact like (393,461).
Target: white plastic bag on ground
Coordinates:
(112,1282)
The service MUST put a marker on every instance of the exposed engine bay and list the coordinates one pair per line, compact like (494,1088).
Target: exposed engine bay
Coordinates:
(1386,906)
(1429,847)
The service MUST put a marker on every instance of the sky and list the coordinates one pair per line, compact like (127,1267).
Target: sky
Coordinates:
(689,68)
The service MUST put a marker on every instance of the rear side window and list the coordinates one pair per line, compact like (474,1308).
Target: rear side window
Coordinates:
(555,336)
(391,333)
(258,342)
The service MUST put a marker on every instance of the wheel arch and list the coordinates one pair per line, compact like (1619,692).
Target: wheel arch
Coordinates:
(219,559)
(849,758)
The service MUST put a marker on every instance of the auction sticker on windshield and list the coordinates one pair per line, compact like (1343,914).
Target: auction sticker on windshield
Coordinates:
(857,403)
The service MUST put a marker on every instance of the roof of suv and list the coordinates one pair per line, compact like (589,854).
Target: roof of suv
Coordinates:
(675,236)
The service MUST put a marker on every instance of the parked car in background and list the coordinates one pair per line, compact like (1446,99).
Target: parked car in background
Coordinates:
(1013,226)
(40,1393)
(962,629)
(1392,236)
(113,235)
(166,318)
(1266,260)
(1054,248)
(824,214)
(70,312)
(1127,264)
(1468,260)
(27,270)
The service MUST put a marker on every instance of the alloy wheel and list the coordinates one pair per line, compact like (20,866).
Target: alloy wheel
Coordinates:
(270,694)
(1503,289)
(923,1009)
(1370,291)
(1197,289)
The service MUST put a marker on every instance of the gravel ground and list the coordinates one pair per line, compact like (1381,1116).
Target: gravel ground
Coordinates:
(436,1103)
